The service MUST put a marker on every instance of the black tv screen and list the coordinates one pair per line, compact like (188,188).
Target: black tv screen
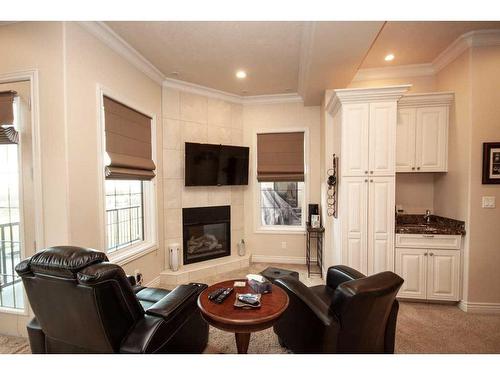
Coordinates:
(215,165)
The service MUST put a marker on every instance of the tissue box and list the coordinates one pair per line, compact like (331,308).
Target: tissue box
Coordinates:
(261,288)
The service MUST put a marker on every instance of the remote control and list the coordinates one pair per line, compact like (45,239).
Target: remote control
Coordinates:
(248,300)
(216,293)
(223,295)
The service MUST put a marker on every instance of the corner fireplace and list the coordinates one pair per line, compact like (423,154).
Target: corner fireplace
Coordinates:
(206,233)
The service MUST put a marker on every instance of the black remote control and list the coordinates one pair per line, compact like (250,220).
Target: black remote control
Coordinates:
(223,295)
(249,300)
(216,293)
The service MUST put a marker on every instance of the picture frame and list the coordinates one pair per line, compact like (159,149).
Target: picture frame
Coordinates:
(491,163)
(315,221)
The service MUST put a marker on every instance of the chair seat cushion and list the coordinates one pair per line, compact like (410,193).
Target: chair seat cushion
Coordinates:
(324,292)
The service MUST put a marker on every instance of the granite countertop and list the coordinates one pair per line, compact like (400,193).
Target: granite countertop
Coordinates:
(416,224)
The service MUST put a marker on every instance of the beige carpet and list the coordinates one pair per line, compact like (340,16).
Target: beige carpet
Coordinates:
(421,327)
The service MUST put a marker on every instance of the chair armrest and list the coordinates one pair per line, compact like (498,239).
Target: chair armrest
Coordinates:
(178,300)
(313,302)
(337,275)
(131,279)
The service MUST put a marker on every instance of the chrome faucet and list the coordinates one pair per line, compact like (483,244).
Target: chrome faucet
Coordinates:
(427,216)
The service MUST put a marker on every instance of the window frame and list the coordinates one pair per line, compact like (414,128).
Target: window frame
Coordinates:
(150,242)
(279,229)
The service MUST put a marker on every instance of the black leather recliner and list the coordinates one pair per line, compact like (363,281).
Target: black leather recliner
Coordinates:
(350,314)
(83,304)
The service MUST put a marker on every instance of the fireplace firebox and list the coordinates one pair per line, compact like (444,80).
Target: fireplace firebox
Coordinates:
(206,233)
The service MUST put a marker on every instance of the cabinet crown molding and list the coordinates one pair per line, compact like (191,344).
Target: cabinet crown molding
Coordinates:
(426,99)
(365,95)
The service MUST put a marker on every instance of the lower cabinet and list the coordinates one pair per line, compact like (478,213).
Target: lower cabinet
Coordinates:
(432,274)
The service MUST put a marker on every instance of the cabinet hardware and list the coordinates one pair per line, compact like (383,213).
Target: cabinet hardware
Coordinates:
(412,168)
(366,180)
(425,254)
(371,172)
(431,254)
(371,180)
(366,172)
(418,168)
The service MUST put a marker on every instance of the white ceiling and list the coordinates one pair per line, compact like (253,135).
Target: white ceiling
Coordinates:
(285,57)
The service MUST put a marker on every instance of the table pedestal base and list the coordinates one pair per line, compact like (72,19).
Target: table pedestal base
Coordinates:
(242,341)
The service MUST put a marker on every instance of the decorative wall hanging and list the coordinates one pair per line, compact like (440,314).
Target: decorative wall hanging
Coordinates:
(331,193)
(491,163)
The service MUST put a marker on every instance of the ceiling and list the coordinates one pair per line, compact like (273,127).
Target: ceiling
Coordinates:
(285,57)
(417,42)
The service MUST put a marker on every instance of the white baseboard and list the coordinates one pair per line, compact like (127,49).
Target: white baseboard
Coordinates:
(154,283)
(278,259)
(479,307)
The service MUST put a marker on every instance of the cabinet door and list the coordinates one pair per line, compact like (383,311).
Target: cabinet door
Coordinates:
(381,201)
(382,139)
(432,139)
(354,224)
(443,280)
(411,265)
(355,140)
(405,140)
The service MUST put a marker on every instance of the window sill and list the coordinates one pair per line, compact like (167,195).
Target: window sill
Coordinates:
(129,254)
(280,230)
(12,311)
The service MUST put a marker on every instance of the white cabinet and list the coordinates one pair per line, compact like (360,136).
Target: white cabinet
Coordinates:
(422,132)
(369,139)
(431,273)
(364,121)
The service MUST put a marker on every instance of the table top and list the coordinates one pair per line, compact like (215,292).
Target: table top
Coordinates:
(272,306)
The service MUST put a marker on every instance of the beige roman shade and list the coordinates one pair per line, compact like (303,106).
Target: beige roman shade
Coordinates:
(8,134)
(280,157)
(128,143)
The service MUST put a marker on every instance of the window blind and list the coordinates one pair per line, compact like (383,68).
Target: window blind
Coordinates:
(128,142)
(280,157)
(8,134)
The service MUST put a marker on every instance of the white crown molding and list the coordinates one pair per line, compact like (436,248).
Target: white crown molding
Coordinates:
(477,38)
(479,307)
(222,95)
(106,35)
(359,95)
(401,71)
(426,99)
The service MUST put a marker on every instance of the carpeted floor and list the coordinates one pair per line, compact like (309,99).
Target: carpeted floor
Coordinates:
(421,327)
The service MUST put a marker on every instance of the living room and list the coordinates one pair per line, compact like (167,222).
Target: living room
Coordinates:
(172,173)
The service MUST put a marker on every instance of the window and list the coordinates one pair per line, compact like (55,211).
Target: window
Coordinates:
(124,213)
(281,176)
(129,169)
(11,290)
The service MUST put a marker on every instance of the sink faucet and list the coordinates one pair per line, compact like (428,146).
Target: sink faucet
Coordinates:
(427,216)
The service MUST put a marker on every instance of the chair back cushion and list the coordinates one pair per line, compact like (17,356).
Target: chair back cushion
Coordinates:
(363,307)
(79,298)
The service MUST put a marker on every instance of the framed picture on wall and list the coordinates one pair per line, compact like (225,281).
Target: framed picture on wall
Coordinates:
(491,163)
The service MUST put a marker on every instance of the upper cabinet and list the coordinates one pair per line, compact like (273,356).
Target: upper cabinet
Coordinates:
(422,132)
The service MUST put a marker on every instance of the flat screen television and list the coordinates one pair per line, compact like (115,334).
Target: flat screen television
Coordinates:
(215,165)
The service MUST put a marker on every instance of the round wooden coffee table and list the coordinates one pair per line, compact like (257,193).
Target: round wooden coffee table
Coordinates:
(242,322)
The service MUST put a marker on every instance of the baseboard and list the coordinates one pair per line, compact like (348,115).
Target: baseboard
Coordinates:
(479,307)
(154,283)
(278,259)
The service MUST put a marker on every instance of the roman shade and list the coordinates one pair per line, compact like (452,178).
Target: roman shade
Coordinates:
(8,134)
(280,157)
(128,142)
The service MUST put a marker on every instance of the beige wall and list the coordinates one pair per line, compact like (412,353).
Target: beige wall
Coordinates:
(280,116)
(91,64)
(194,118)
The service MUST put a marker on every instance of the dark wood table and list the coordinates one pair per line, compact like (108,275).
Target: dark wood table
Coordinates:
(242,322)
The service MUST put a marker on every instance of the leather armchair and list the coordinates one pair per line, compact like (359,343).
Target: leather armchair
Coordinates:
(350,314)
(83,304)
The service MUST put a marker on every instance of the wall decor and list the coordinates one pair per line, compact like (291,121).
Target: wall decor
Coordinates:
(331,193)
(491,163)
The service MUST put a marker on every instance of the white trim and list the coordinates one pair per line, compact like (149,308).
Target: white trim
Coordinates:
(222,95)
(401,71)
(151,239)
(426,99)
(106,35)
(479,307)
(256,258)
(155,283)
(359,95)
(476,38)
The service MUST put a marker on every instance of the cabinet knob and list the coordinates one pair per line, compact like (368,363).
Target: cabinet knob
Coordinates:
(425,254)
(371,172)
(366,172)
(418,168)
(371,180)
(366,180)
(431,254)
(412,168)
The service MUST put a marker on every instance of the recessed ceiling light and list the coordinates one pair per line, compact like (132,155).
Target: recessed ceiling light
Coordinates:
(389,57)
(241,74)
